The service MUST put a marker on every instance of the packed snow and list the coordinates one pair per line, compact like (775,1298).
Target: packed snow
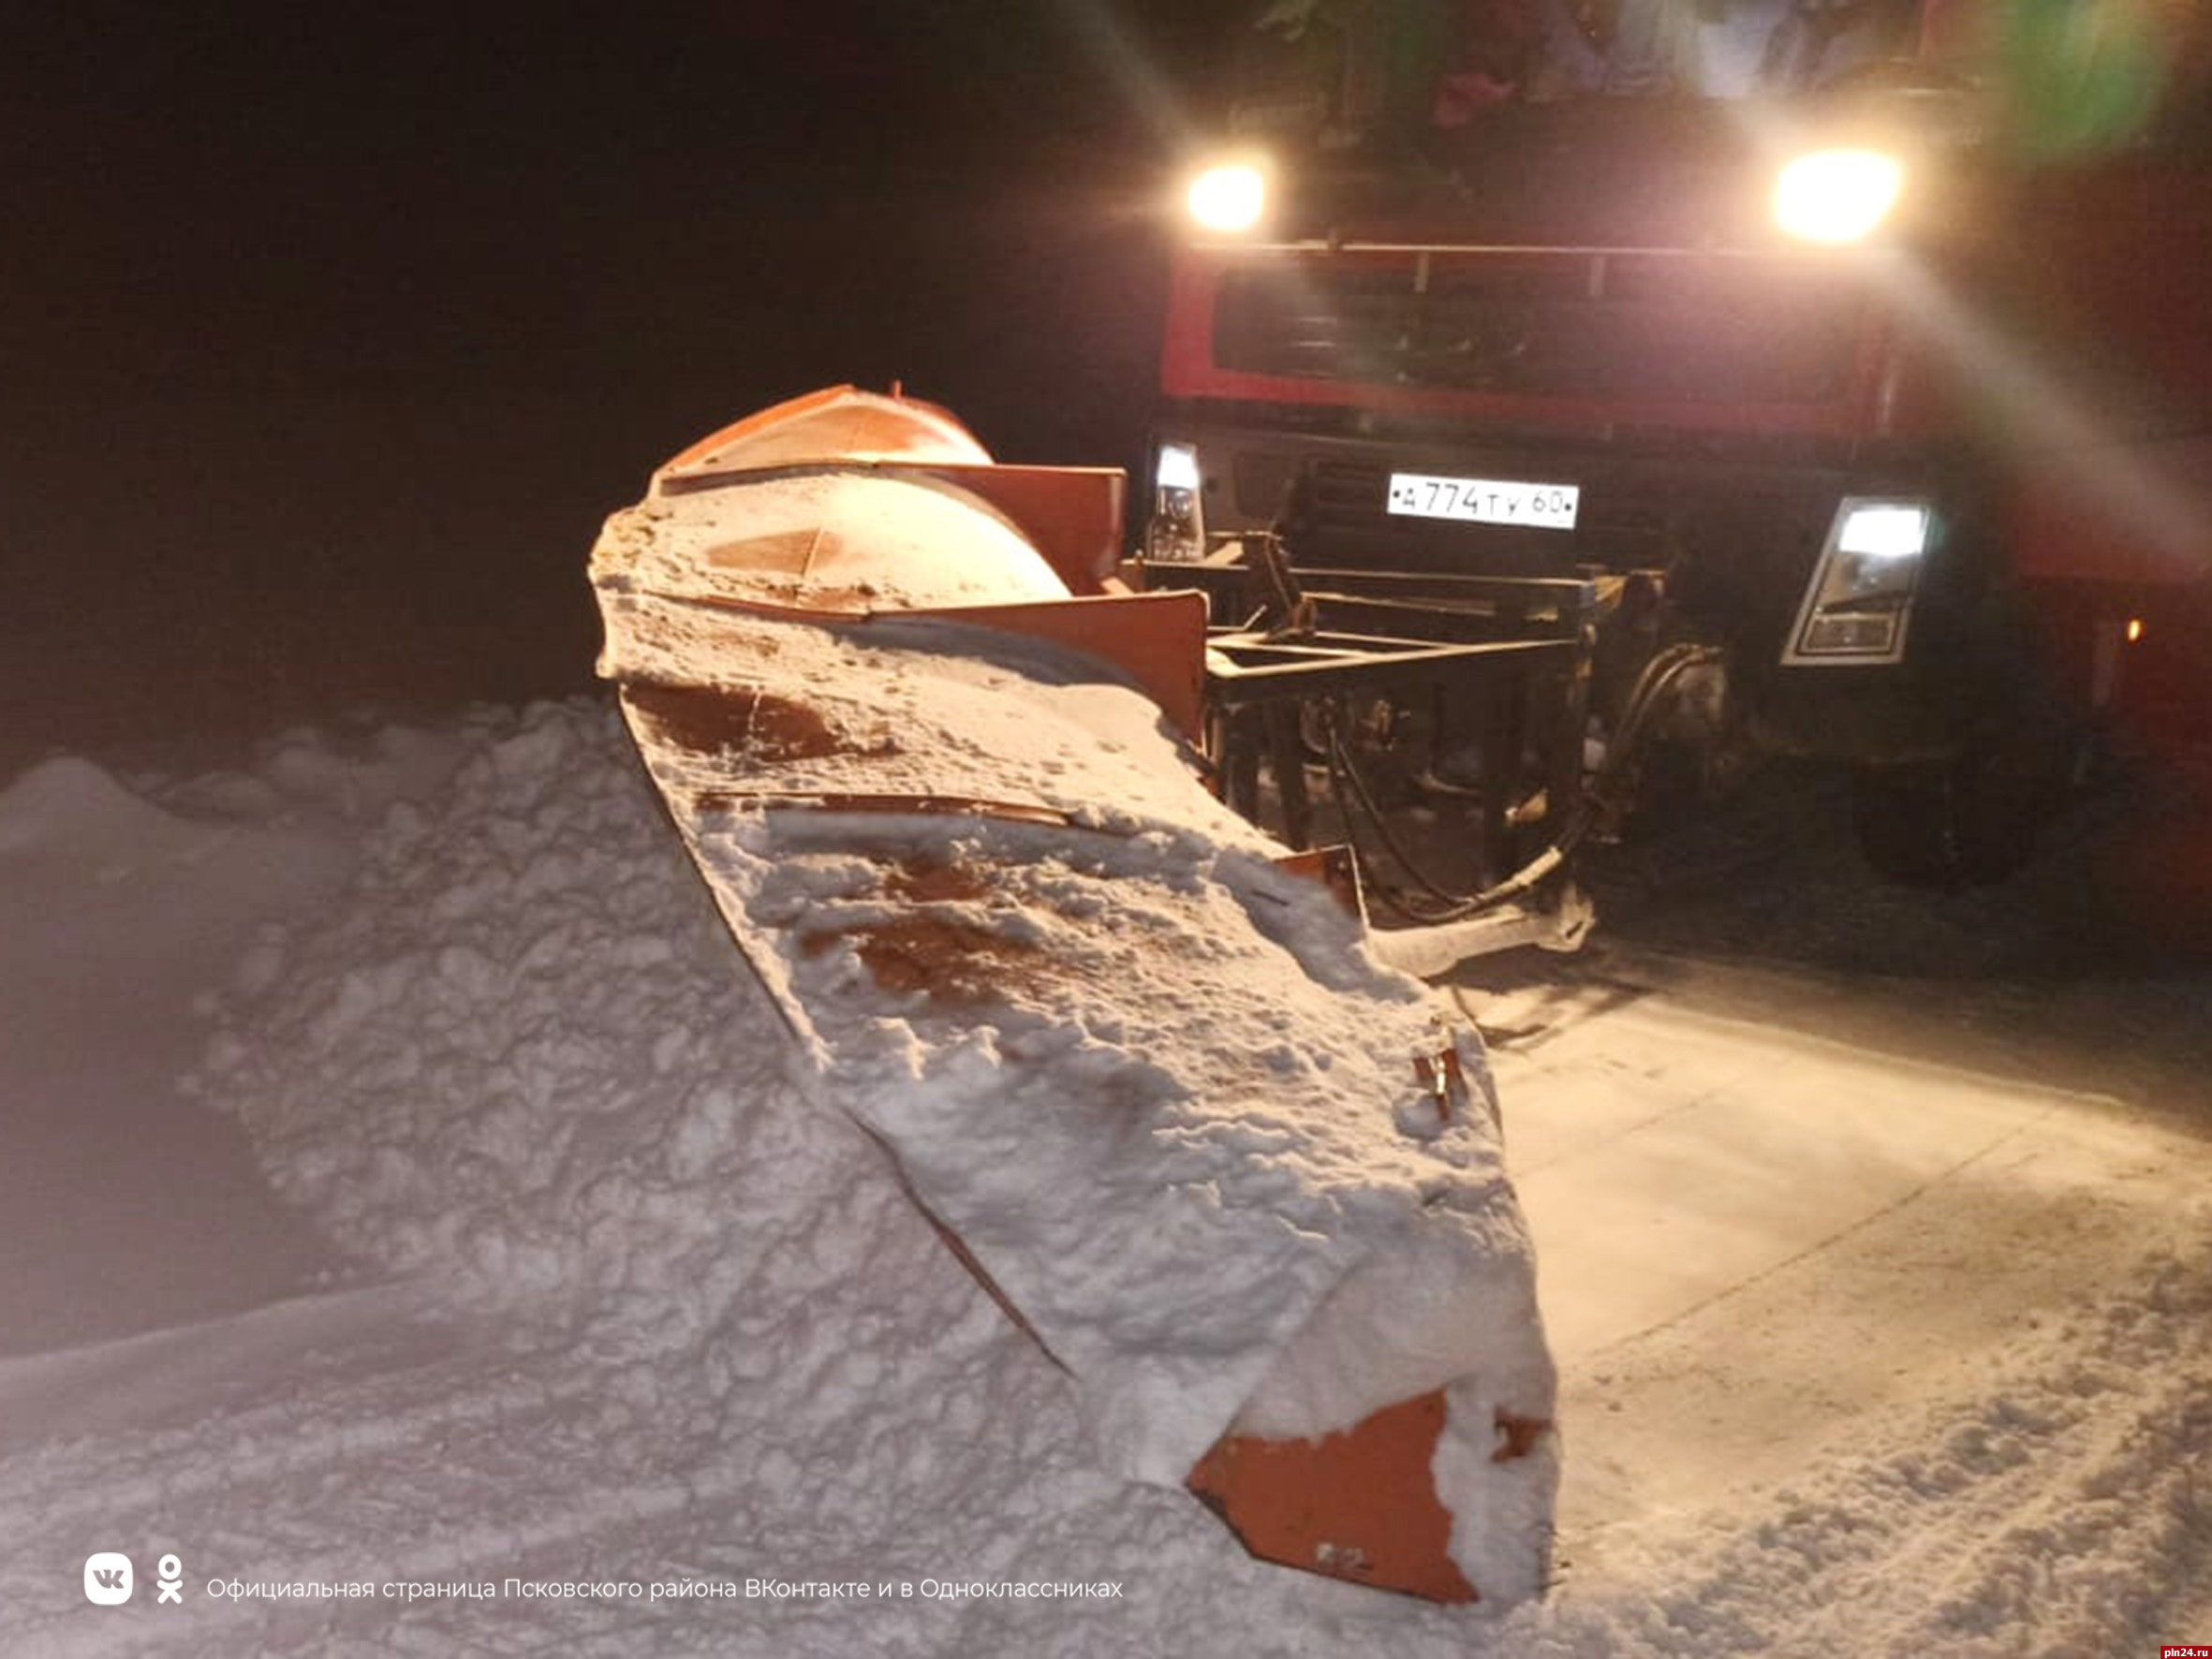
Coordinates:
(461,1003)
(1076,746)
(853,540)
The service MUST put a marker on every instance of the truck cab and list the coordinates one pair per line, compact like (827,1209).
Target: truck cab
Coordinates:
(1860,348)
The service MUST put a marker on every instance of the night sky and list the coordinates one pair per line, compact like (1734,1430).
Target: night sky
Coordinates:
(331,333)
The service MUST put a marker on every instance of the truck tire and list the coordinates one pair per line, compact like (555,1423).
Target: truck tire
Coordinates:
(1956,823)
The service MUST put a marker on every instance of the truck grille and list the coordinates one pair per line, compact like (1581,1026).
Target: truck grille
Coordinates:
(1588,325)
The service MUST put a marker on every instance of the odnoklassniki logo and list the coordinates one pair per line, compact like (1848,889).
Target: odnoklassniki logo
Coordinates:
(106,1578)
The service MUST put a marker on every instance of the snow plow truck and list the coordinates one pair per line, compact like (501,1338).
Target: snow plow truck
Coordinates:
(1560,395)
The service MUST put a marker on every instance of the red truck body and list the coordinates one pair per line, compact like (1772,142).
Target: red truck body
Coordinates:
(1590,295)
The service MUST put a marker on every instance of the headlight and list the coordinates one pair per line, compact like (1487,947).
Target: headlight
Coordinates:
(1860,598)
(1177,531)
(1176,468)
(1229,196)
(1883,530)
(1837,195)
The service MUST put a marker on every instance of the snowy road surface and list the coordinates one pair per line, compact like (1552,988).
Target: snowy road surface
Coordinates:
(1883,1307)
(1758,1246)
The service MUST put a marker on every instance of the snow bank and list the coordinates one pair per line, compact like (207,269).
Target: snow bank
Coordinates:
(67,803)
(810,1387)
(520,1057)
(491,1059)
(523,1055)
(348,774)
(116,916)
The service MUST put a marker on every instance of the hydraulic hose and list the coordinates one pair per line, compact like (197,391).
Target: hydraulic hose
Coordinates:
(1652,685)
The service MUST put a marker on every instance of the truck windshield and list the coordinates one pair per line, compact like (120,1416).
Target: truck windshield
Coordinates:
(1384,74)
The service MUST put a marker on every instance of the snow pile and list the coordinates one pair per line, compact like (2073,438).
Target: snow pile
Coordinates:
(112,906)
(1210,1179)
(828,1396)
(70,809)
(343,775)
(489,1058)
(520,1055)
(1199,1160)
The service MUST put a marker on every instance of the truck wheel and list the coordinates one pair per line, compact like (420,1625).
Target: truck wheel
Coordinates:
(1948,823)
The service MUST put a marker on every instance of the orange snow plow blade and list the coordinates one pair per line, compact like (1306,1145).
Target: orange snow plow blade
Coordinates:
(1355,1505)
(934,763)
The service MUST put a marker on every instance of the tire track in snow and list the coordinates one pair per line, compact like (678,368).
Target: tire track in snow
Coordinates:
(2058,1511)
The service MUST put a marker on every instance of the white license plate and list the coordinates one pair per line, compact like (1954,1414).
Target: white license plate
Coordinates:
(1485,500)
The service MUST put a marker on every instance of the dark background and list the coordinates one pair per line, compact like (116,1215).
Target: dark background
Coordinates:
(330,334)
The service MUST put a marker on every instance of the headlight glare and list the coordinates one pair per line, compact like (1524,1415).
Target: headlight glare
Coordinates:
(1837,195)
(1228,197)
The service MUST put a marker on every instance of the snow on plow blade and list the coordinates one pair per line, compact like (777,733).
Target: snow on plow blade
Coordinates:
(1237,1179)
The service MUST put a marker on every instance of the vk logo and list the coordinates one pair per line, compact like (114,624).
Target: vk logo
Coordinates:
(106,1578)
